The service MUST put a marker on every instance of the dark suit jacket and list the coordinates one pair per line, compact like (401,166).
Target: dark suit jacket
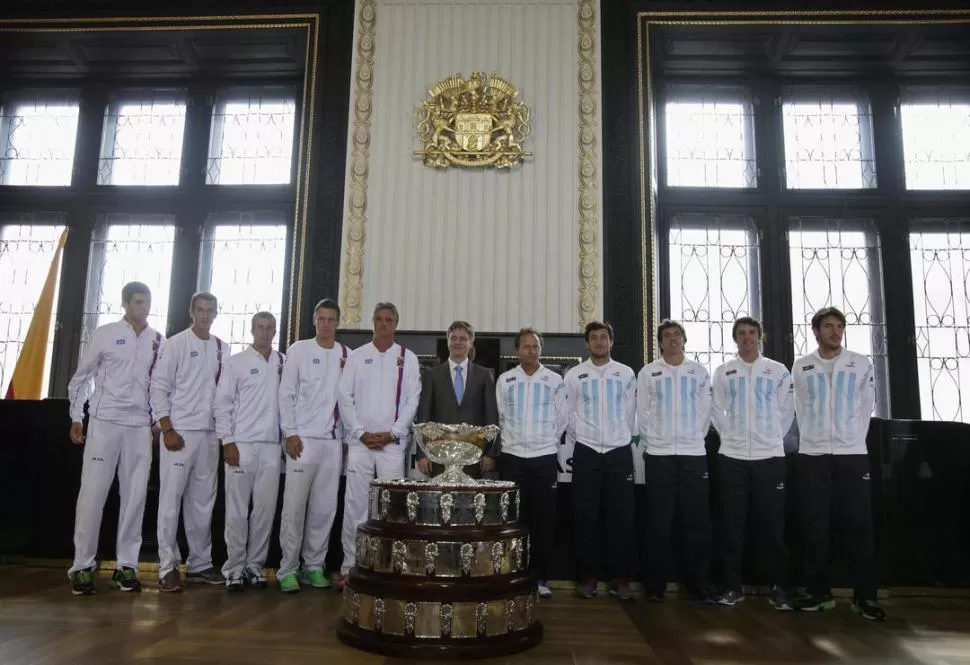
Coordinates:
(438,403)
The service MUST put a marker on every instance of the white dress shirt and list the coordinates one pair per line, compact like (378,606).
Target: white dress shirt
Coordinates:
(183,384)
(379,392)
(674,407)
(114,373)
(310,388)
(531,411)
(247,402)
(601,405)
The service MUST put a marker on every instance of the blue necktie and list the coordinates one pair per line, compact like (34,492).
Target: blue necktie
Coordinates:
(459,384)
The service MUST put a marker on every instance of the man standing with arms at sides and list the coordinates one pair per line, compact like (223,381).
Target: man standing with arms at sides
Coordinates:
(314,457)
(117,364)
(601,419)
(183,392)
(456,392)
(674,413)
(532,414)
(753,409)
(834,399)
(379,393)
(248,426)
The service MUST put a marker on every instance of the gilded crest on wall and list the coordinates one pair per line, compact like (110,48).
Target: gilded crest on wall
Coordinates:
(477,121)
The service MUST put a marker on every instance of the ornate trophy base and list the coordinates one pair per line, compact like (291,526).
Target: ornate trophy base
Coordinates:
(442,573)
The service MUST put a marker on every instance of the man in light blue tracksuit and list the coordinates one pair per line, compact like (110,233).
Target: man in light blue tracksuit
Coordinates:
(834,399)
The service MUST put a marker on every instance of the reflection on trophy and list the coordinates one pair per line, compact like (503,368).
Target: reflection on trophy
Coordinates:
(453,447)
(443,564)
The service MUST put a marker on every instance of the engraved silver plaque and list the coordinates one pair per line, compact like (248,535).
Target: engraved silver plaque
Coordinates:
(385,503)
(410,610)
(509,615)
(505,506)
(498,550)
(481,619)
(479,504)
(379,614)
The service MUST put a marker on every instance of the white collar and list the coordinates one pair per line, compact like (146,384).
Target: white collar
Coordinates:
(452,365)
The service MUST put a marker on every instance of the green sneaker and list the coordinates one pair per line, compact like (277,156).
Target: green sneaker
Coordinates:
(316,579)
(82,582)
(126,579)
(290,584)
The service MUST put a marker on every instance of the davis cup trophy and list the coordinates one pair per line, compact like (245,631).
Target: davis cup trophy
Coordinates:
(442,564)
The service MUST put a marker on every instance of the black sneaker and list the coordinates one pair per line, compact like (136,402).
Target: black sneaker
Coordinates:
(172,582)
(253,575)
(207,576)
(778,599)
(868,609)
(82,582)
(812,603)
(126,579)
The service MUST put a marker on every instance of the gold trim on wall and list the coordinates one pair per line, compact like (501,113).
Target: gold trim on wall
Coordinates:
(353,277)
(310,22)
(588,166)
(646,120)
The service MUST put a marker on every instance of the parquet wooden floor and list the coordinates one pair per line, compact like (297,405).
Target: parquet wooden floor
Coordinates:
(41,623)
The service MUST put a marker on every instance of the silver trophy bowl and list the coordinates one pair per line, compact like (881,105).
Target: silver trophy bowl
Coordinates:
(454,446)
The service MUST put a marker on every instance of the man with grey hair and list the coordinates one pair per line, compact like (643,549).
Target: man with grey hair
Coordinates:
(379,392)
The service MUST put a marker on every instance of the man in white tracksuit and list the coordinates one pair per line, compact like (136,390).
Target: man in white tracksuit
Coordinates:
(834,399)
(248,426)
(379,393)
(117,365)
(601,419)
(314,457)
(674,415)
(183,390)
(753,409)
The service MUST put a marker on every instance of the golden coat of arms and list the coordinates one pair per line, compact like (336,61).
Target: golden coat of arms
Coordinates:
(473,122)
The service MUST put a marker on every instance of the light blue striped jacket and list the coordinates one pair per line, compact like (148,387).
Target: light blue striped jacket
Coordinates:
(833,416)
(601,405)
(531,411)
(674,407)
(754,406)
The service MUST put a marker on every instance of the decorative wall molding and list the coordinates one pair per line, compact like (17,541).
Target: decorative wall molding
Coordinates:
(353,272)
(589,294)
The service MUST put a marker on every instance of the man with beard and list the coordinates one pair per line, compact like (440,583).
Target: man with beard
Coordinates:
(834,399)
(601,408)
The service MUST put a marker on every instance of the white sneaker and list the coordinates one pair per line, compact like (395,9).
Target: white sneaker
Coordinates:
(544,591)
(254,576)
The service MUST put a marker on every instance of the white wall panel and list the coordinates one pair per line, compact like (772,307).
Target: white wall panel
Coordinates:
(497,248)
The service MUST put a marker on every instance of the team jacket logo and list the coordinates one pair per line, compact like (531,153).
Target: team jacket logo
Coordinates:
(616,373)
(583,376)
(657,374)
(808,367)
(194,354)
(368,361)
(316,361)
(730,372)
(400,361)
(254,371)
(119,342)
(510,379)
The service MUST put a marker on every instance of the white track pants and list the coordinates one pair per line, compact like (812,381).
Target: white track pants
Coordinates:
(309,505)
(363,464)
(256,479)
(188,480)
(109,448)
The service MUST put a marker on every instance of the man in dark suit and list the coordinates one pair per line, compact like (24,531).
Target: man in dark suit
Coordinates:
(459,391)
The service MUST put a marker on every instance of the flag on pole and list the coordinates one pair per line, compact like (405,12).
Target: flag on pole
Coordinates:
(28,375)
